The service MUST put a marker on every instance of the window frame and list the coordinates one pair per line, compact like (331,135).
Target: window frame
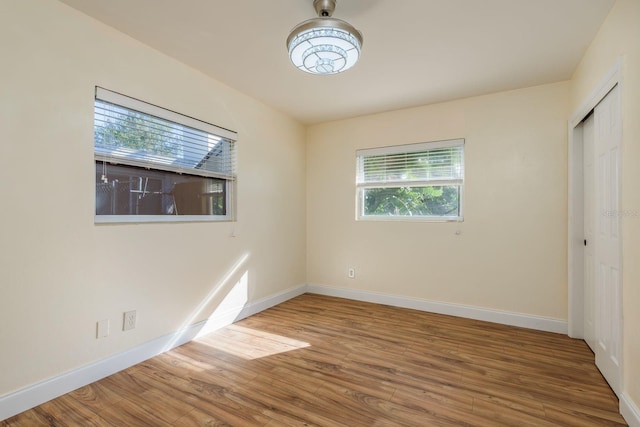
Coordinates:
(362,185)
(137,105)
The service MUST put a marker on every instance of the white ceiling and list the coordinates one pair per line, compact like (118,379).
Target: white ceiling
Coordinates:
(415,52)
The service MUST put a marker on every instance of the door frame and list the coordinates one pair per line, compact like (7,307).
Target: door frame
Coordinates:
(575,244)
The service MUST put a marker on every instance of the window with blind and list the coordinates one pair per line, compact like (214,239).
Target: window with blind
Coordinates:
(153,164)
(417,181)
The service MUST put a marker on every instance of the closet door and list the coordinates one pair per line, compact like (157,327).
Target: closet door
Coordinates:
(607,240)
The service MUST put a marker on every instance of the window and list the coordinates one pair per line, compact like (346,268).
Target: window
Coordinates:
(154,164)
(411,182)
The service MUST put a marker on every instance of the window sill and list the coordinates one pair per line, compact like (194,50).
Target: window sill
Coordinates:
(146,219)
(410,218)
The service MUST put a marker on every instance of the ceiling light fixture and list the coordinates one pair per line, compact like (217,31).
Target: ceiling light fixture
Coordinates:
(324,45)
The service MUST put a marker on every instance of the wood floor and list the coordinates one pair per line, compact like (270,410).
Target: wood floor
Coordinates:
(322,361)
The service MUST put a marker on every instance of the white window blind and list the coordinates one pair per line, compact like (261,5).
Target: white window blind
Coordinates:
(132,132)
(433,163)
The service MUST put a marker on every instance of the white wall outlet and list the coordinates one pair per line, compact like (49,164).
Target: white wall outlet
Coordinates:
(351,273)
(102,328)
(129,320)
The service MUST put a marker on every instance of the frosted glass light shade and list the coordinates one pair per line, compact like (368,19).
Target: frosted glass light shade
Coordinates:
(324,46)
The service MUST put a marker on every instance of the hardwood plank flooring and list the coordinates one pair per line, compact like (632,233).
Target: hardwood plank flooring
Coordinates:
(323,361)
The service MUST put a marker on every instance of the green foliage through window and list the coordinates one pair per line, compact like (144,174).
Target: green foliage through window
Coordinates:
(413,201)
(134,130)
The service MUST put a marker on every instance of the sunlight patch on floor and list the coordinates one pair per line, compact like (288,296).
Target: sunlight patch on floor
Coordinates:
(250,343)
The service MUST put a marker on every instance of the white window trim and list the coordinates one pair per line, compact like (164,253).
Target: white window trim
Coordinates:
(411,148)
(408,148)
(144,107)
(144,219)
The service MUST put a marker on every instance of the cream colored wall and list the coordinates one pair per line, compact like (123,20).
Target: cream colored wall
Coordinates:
(511,253)
(619,36)
(60,273)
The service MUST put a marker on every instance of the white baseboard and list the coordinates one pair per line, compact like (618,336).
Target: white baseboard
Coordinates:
(630,411)
(36,394)
(28,397)
(44,391)
(496,316)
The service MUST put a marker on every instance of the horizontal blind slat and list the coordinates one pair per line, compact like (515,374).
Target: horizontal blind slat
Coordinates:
(167,168)
(409,184)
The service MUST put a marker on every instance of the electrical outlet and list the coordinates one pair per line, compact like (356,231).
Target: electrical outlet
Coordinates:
(351,273)
(129,320)
(102,328)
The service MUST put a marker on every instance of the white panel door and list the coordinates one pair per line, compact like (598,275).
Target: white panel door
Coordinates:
(588,136)
(607,240)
